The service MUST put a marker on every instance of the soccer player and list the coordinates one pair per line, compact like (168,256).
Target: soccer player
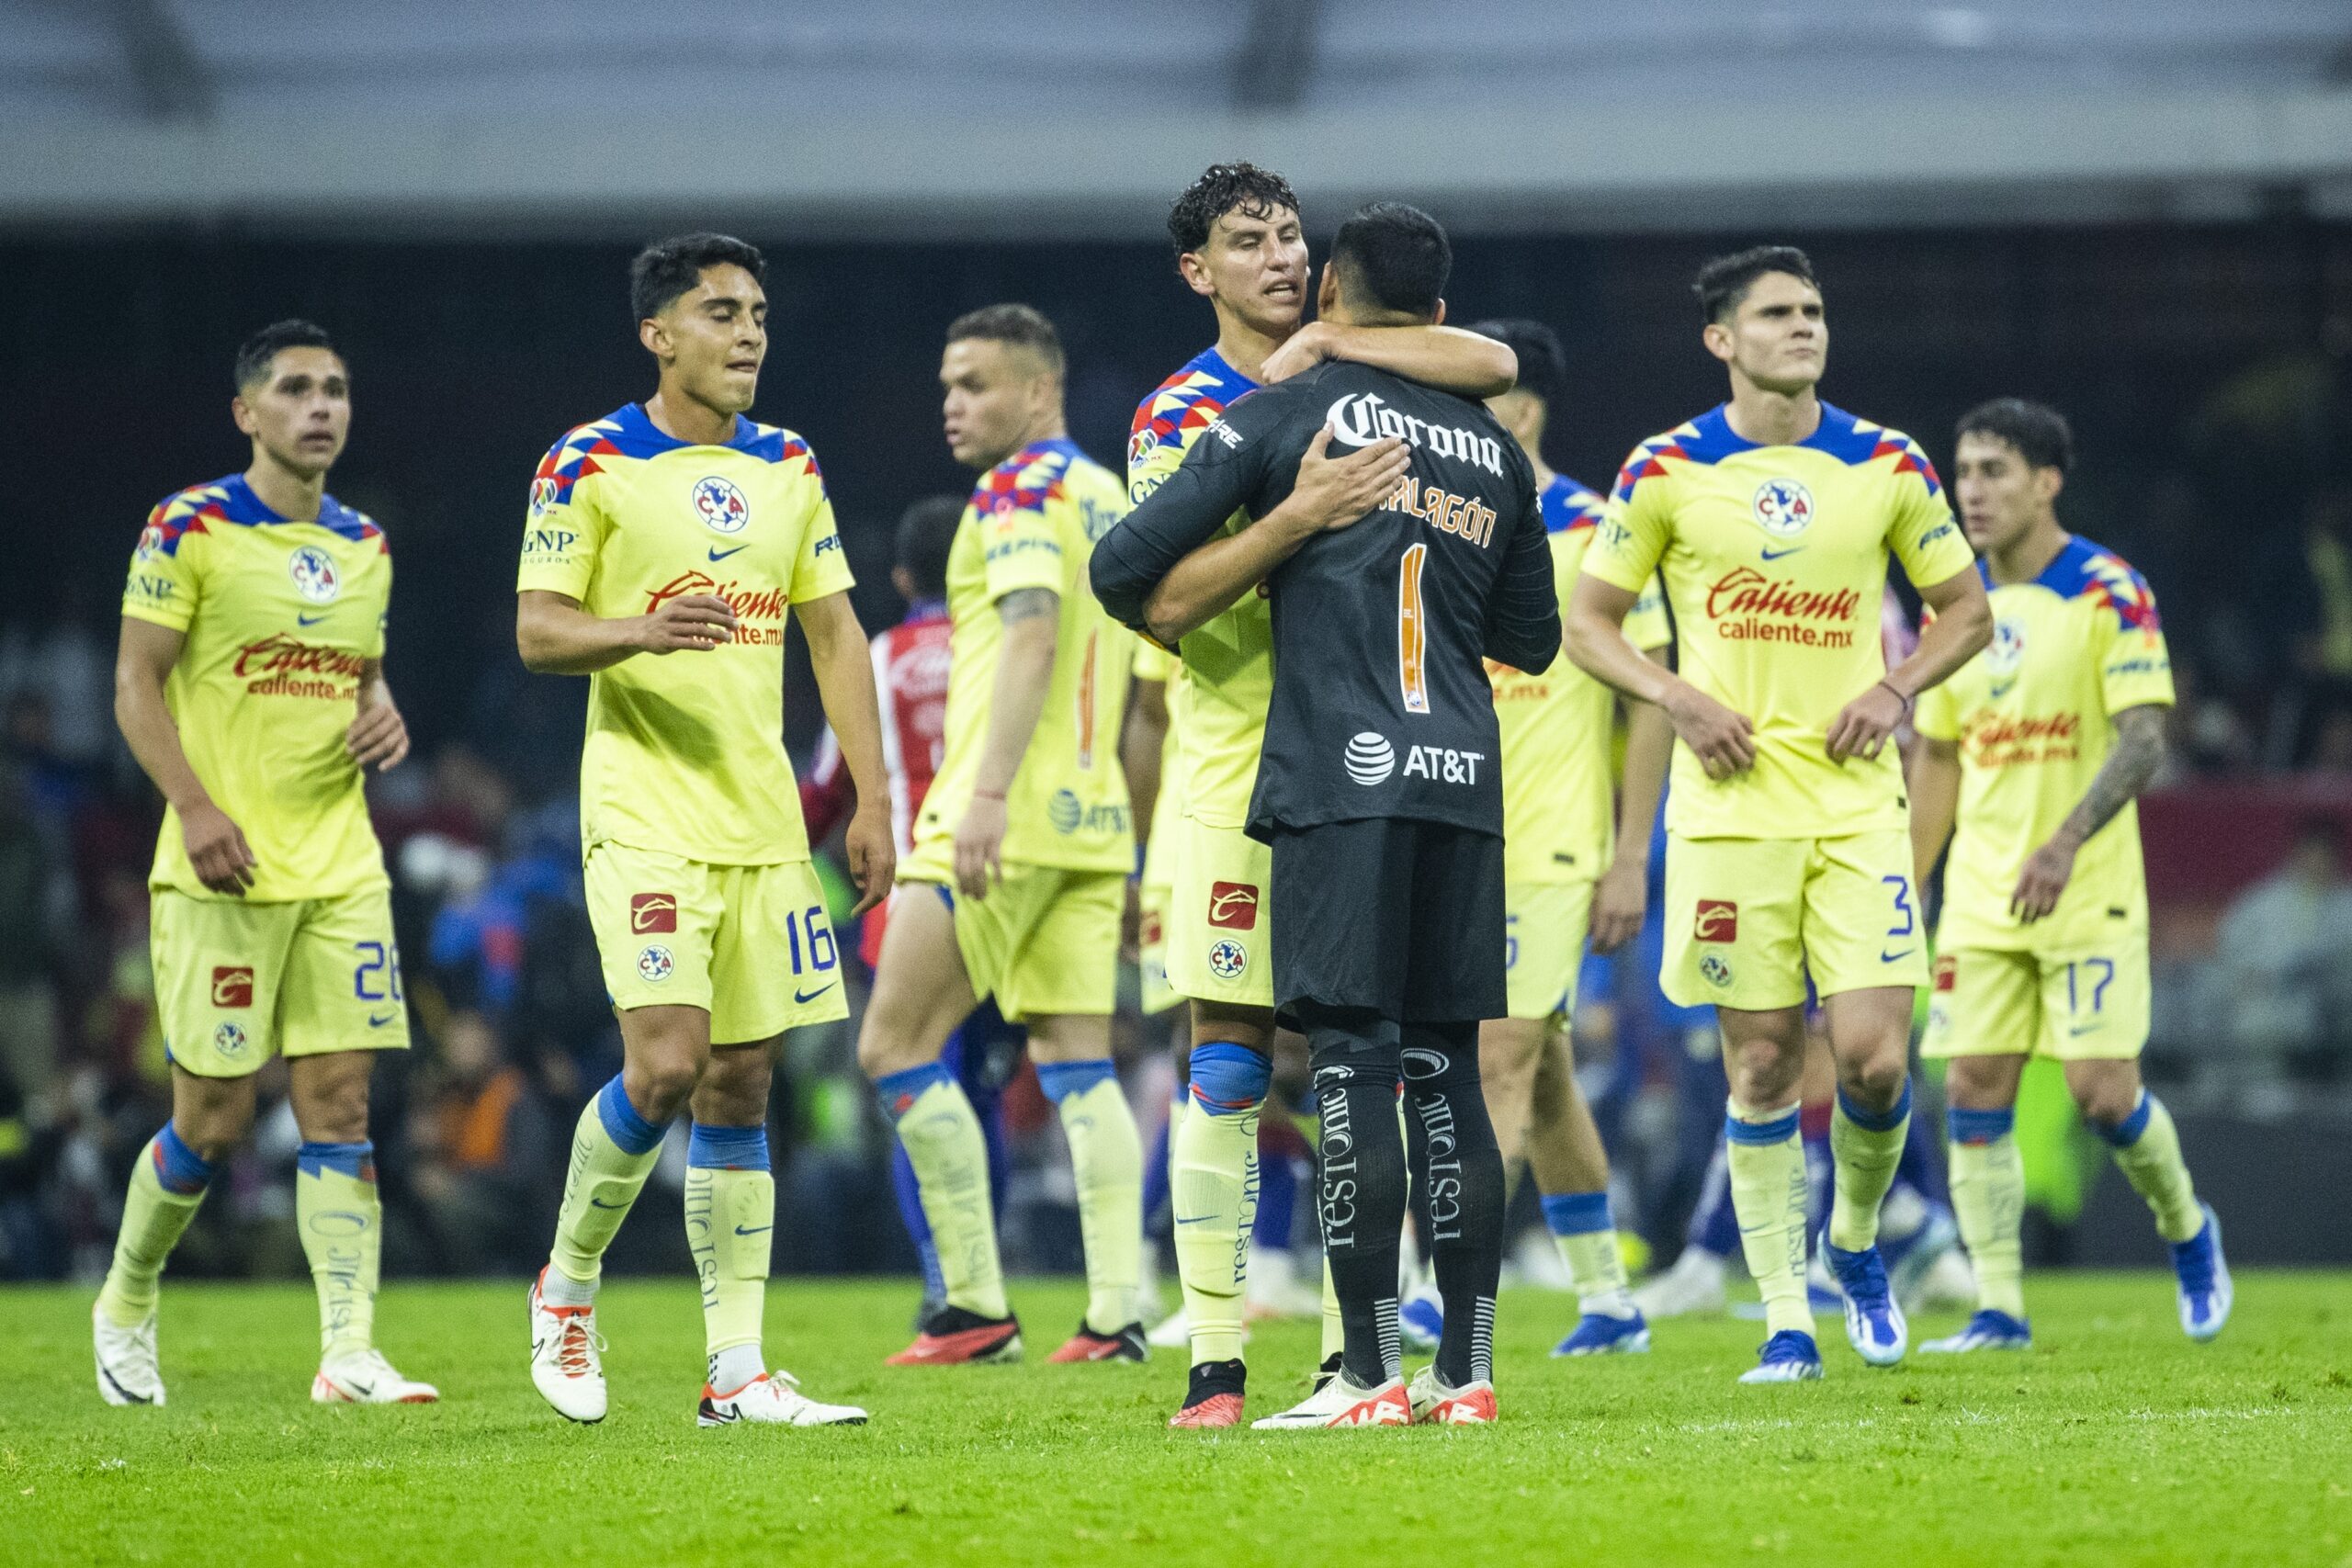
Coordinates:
(1773,516)
(2041,746)
(1023,848)
(1398,533)
(1240,245)
(663,544)
(911,678)
(1562,874)
(250,685)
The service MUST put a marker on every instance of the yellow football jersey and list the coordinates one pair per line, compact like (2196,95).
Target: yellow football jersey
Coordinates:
(1774,560)
(1557,727)
(1218,711)
(1032,523)
(280,619)
(684,750)
(2033,715)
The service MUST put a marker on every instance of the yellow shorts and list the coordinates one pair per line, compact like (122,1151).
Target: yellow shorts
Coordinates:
(1746,919)
(752,945)
(2090,1004)
(1044,943)
(1545,924)
(1220,947)
(239,983)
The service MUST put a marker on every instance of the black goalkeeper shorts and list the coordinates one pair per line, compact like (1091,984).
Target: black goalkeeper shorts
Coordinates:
(1402,917)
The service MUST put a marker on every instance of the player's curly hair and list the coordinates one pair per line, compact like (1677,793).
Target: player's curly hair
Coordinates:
(2038,433)
(1724,282)
(667,269)
(255,354)
(1542,363)
(1222,188)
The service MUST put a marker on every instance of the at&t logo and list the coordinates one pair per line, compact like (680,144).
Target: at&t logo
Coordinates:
(314,575)
(720,505)
(1370,759)
(1783,508)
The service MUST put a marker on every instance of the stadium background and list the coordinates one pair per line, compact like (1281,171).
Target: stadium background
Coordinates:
(2142,213)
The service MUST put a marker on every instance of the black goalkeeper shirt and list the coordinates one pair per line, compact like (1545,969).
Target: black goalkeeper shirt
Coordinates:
(1382,703)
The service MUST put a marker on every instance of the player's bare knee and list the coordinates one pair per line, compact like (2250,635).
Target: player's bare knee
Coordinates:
(659,1080)
(1875,1080)
(2106,1097)
(1981,1083)
(212,1116)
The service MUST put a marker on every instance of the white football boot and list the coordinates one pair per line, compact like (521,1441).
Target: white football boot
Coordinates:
(567,1361)
(776,1398)
(128,1373)
(368,1379)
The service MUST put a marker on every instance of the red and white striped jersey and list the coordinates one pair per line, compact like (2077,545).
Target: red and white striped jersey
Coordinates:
(911,679)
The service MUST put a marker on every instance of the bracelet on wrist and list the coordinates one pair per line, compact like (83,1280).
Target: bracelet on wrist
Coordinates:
(1899,697)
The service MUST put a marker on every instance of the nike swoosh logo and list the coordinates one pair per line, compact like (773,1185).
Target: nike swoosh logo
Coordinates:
(2081,1029)
(751,1230)
(363,1390)
(600,1204)
(717,554)
(1776,555)
(800,995)
(375,1022)
(308,620)
(1195,1220)
(1886,957)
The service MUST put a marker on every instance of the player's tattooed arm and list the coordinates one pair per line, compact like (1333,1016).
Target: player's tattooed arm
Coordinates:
(379,735)
(1032,620)
(2139,752)
(216,846)
(1464,363)
(844,663)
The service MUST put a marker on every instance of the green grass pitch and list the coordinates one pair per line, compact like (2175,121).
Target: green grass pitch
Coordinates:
(2114,1442)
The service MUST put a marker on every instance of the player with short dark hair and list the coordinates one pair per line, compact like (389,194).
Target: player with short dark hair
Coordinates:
(250,686)
(1240,245)
(1018,880)
(1772,518)
(1391,569)
(2039,747)
(663,547)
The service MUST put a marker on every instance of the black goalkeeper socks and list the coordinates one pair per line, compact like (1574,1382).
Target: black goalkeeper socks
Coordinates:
(1459,1174)
(1360,1197)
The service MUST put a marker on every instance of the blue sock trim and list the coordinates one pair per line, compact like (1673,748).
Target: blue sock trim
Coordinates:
(727,1149)
(1979,1127)
(898,1091)
(1577,1213)
(633,1132)
(178,1167)
(1778,1131)
(354,1160)
(2126,1132)
(1876,1121)
(1062,1080)
(1229,1079)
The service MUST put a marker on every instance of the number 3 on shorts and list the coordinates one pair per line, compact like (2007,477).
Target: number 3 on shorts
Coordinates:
(1901,885)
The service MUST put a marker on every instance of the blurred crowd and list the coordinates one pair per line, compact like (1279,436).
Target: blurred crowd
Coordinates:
(513,1029)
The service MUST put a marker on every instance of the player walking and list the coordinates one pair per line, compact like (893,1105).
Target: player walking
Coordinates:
(1562,876)
(1240,245)
(2040,744)
(250,685)
(1023,848)
(678,526)
(1378,792)
(1772,518)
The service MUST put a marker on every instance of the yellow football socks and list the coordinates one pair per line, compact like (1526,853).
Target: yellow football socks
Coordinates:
(943,1143)
(341,1225)
(613,1151)
(1106,1159)
(1988,1201)
(1213,1189)
(167,1183)
(2147,1150)
(1865,1145)
(1765,1153)
(730,1227)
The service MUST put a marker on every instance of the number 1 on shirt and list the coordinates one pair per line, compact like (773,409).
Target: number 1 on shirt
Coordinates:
(1412,631)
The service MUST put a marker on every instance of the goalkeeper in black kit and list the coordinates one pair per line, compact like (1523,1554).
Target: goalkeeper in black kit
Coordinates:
(1395,529)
